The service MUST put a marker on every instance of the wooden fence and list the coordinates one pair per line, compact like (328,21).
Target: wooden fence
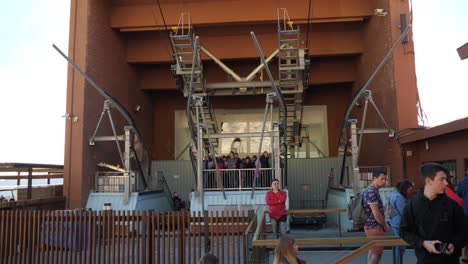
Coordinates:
(121,236)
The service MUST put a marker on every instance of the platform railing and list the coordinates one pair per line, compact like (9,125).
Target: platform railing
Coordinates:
(238,179)
(264,242)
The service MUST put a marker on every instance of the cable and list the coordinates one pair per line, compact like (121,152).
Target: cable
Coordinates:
(164,22)
(308,24)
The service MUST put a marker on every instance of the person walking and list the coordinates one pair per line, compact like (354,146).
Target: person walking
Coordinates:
(462,191)
(432,223)
(398,200)
(375,225)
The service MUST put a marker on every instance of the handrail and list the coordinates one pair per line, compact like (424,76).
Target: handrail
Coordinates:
(313,211)
(366,247)
(259,227)
(249,226)
(322,241)
(165,188)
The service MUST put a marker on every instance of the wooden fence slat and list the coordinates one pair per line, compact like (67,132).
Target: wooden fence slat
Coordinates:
(138,236)
(127,236)
(2,233)
(121,236)
(151,238)
(16,235)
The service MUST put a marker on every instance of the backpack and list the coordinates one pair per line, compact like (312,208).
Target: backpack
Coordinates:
(356,210)
(389,212)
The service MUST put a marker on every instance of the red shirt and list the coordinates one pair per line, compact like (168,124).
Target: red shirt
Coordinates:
(452,195)
(276,204)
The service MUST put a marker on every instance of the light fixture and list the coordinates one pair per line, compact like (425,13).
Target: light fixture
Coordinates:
(379,12)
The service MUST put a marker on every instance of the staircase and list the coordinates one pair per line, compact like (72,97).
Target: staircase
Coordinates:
(189,70)
(291,66)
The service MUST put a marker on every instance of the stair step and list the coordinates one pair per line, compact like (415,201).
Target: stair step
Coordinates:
(183,46)
(184,36)
(290,40)
(289,32)
(289,68)
(289,57)
(289,49)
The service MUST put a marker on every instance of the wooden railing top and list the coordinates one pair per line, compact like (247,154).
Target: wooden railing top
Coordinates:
(323,241)
(313,211)
(25,166)
(385,242)
(32,202)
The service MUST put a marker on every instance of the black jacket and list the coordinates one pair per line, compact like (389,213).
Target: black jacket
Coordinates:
(440,219)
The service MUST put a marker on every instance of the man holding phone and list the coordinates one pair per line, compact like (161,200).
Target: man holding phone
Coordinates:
(433,223)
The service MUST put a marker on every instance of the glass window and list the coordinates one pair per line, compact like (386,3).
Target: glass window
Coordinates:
(314,132)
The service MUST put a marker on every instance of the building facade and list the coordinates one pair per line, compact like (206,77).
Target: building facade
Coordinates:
(124,46)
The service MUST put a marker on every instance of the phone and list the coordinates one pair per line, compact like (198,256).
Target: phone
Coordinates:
(441,247)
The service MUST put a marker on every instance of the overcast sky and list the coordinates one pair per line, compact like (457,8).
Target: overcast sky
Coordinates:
(33,75)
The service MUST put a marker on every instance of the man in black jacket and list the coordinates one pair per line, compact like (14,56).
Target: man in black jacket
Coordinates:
(431,218)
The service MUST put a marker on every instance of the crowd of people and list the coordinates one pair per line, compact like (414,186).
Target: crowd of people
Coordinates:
(230,165)
(434,221)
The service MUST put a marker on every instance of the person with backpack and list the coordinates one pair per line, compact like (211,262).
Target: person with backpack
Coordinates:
(375,225)
(432,223)
(397,202)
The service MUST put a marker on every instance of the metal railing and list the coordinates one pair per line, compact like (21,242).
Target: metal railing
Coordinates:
(238,179)
(365,175)
(110,181)
(164,187)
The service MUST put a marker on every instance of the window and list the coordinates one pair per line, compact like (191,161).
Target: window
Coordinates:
(314,132)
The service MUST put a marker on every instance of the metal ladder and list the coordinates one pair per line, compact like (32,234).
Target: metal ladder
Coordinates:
(187,59)
(290,78)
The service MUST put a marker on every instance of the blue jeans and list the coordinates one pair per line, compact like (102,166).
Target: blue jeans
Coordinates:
(278,227)
(399,251)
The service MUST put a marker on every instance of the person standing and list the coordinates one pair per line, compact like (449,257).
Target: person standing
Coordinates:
(398,201)
(450,191)
(286,251)
(462,191)
(276,201)
(431,219)
(375,225)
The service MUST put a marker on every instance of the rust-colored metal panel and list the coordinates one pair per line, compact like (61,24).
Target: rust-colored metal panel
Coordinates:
(98,50)
(146,16)
(463,51)
(325,40)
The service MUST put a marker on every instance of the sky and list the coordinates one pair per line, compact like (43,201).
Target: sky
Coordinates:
(33,75)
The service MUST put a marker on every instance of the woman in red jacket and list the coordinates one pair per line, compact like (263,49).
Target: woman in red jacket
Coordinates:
(276,201)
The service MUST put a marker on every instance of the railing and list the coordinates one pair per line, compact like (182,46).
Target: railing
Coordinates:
(120,236)
(110,181)
(238,179)
(30,172)
(52,203)
(375,243)
(263,241)
(365,175)
(163,186)
(25,171)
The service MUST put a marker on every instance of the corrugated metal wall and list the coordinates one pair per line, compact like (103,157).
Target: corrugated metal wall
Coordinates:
(178,173)
(307,179)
